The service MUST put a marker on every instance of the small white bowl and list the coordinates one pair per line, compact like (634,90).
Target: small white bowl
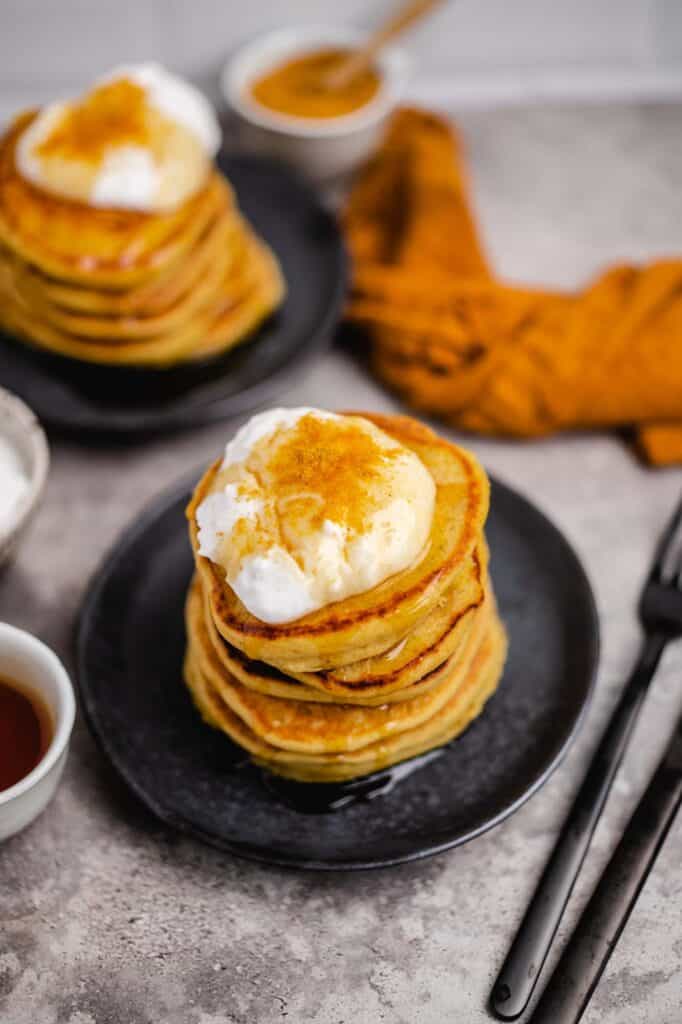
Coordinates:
(30,663)
(21,428)
(321,148)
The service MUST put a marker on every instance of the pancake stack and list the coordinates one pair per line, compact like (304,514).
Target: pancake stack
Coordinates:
(129,288)
(368,681)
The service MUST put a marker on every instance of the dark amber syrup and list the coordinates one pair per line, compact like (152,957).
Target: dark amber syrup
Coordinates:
(25,731)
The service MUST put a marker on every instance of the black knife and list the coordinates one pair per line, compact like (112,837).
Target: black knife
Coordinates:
(583,961)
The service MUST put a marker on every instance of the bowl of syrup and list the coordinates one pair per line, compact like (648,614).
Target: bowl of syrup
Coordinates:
(37,712)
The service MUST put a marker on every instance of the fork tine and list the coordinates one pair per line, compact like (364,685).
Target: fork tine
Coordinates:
(663,548)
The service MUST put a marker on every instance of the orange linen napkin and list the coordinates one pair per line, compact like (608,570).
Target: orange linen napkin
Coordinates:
(491,358)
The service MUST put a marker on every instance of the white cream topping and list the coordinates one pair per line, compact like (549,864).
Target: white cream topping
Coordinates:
(264,424)
(284,566)
(130,175)
(175,98)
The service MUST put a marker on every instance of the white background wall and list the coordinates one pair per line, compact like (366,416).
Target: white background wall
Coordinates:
(470,52)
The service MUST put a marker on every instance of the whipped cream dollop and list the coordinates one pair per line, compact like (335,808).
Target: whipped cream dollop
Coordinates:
(310,507)
(140,139)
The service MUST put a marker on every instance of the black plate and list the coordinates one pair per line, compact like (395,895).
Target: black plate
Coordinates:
(130,649)
(73,395)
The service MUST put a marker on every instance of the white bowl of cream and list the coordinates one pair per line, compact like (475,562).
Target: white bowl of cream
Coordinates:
(24,462)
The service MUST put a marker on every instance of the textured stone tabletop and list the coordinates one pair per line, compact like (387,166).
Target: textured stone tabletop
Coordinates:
(106,918)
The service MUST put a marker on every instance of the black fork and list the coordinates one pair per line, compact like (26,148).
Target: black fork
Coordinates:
(660,612)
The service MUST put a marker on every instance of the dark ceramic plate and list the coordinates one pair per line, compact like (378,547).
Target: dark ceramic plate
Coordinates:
(76,396)
(130,650)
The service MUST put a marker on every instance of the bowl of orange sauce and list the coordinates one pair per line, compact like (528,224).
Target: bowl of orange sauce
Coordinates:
(275,85)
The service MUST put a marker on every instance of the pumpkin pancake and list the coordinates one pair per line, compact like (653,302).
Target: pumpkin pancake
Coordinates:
(125,324)
(236,323)
(386,676)
(235,308)
(326,728)
(124,287)
(154,296)
(265,679)
(375,621)
(479,681)
(91,245)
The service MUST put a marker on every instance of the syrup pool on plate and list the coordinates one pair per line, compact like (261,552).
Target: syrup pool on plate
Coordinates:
(25,732)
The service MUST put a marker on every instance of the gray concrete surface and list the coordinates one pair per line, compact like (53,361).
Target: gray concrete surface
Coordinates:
(106,918)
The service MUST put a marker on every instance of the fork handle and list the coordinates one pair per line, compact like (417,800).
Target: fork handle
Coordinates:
(519,974)
(583,961)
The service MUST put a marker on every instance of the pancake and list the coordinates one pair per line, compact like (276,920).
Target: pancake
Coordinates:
(323,728)
(126,325)
(234,309)
(368,681)
(467,700)
(94,245)
(155,296)
(373,622)
(126,288)
(265,679)
(373,680)
(237,323)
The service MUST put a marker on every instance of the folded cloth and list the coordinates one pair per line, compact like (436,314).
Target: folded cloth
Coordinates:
(487,357)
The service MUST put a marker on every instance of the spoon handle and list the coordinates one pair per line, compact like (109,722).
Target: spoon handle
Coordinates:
(360,59)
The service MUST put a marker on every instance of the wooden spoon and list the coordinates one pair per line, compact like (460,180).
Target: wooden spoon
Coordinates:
(359,60)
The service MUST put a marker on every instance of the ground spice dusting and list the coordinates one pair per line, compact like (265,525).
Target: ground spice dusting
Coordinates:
(318,470)
(114,114)
(325,469)
(491,358)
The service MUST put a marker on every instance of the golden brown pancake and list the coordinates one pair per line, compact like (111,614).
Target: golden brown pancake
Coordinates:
(123,324)
(326,728)
(92,245)
(154,296)
(370,623)
(386,676)
(267,680)
(157,295)
(233,310)
(465,703)
(371,680)
(127,288)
